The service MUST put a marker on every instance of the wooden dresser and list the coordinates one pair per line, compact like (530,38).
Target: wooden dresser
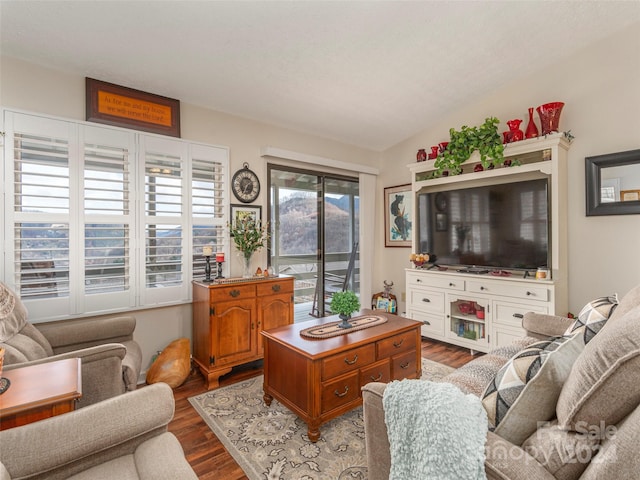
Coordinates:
(228,319)
(321,379)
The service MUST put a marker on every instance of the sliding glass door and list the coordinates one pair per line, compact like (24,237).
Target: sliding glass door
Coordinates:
(314,219)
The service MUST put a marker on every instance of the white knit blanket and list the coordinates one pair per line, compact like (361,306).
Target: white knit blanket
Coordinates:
(435,431)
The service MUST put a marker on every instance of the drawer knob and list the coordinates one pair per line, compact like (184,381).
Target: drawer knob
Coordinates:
(338,394)
(451,284)
(483,288)
(426,300)
(530,293)
(397,344)
(518,315)
(276,287)
(418,280)
(376,379)
(426,322)
(351,362)
(404,365)
(234,293)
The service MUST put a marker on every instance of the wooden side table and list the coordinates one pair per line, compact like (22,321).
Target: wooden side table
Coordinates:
(40,391)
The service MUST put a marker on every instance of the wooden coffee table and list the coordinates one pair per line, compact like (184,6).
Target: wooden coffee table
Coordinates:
(321,379)
(40,391)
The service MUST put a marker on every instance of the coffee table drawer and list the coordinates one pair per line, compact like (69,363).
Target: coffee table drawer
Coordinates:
(378,372)
(341,391)
(347,361)
(404,366)
(397,344)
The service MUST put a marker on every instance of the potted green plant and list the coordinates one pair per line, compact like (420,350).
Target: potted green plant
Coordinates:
(344,304)
(464,142)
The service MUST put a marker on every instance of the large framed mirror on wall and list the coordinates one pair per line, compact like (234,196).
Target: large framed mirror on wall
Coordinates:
(613,183)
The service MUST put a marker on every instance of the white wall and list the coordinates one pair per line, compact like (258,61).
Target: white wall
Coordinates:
(32,88)
(601,90)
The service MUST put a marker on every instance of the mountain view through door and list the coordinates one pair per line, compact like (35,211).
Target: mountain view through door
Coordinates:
(314,219)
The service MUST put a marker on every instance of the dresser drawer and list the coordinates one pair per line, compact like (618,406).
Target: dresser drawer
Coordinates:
(511,314)
(403,342)
(404,366)
(421,280)
(378,372)
(348,361)
(425,300)
(232,292)
(272,288)
(340,391)
(524,291)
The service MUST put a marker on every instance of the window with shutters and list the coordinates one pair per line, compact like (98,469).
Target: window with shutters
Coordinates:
(100,219)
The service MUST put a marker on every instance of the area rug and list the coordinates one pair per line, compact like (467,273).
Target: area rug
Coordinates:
(270,443)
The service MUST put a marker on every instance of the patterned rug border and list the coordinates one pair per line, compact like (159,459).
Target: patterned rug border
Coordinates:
(244,461)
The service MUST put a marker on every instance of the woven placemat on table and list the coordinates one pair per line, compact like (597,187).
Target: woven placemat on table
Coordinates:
(332,329)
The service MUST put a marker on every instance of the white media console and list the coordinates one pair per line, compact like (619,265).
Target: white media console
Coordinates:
(482,308)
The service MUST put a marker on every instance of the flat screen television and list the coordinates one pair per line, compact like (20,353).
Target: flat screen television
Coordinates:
(502,226)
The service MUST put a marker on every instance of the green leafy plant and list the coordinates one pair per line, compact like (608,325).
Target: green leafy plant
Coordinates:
(248,235)
(345,303)
(464,142)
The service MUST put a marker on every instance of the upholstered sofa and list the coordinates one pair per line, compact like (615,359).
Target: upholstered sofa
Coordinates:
(124,437)
(111,358)
(593,428)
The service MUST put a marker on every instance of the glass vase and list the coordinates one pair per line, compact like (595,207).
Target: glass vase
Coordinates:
(246,269)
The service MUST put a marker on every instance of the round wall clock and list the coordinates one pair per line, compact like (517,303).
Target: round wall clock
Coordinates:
(245,184)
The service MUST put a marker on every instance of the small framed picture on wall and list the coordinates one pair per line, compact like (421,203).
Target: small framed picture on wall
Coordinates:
(398,214)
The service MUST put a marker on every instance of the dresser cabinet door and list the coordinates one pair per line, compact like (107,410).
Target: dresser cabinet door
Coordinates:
(274,310)
(234,332)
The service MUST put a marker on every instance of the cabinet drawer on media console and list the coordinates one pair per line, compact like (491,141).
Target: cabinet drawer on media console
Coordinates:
(525,291)
(426,300)
(348,361)
(431,324)
(421,280)
(511,314)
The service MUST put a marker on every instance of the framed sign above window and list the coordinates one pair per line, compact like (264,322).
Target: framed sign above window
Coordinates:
(398,211)
(125,107)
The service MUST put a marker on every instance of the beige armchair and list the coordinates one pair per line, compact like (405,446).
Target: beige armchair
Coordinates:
(111,359)
(123,437)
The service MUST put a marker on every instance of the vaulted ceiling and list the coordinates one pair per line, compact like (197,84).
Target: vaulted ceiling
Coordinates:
(367,73)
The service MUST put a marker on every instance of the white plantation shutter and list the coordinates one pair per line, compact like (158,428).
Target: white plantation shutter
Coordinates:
(100,219)
(38,229)
(165,225)
(107,197)
(209,178)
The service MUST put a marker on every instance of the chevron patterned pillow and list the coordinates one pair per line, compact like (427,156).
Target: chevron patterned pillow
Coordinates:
(593,316)
(526,389)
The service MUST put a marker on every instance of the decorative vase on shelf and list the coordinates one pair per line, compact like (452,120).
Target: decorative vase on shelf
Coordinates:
(421,156)
(246,271)
(434,152)
(532,130)
(514,128)
(550,116)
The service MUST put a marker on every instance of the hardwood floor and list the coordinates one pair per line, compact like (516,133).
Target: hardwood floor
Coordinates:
(205,452)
